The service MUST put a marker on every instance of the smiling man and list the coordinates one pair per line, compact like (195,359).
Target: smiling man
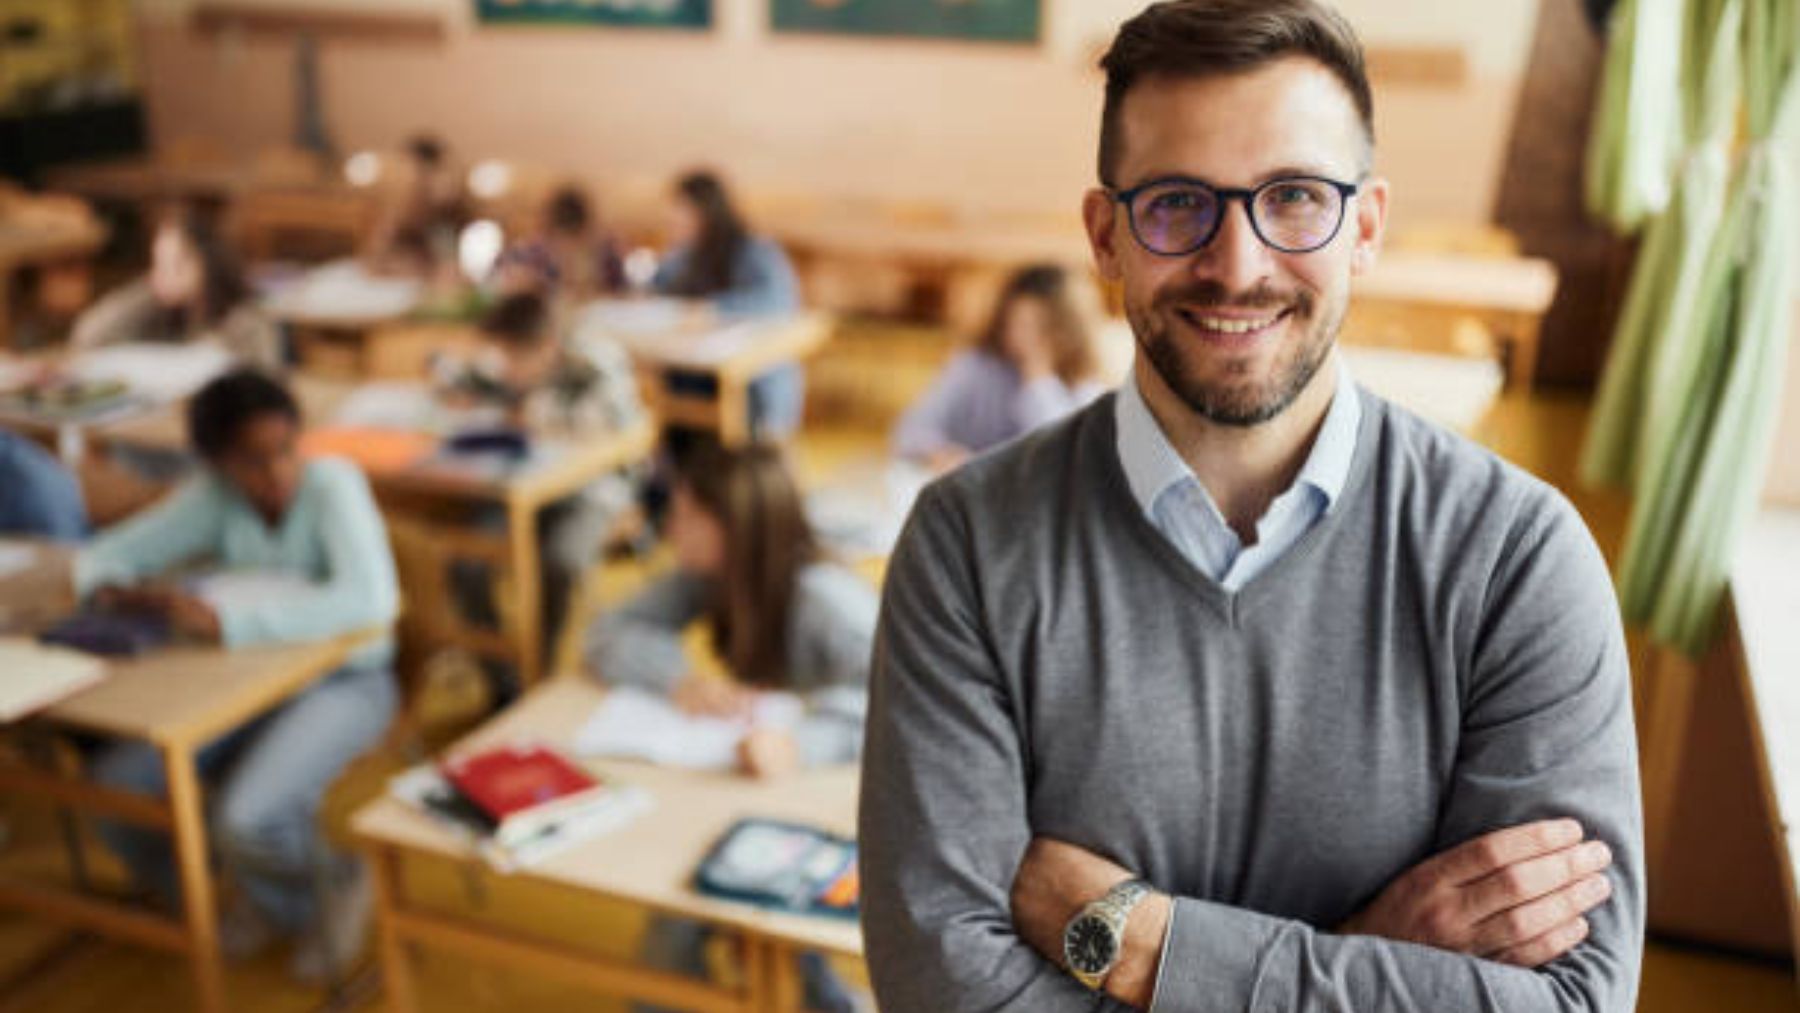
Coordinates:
(1244,689)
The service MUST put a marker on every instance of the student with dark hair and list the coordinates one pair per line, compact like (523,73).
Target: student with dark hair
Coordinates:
(1033,364)
(195,289)
(573,256)
(781,617)
(529,376)
(715,257)
(417,231)
(258,505)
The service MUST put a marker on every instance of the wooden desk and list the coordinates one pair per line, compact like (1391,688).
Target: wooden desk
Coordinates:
(143,181)
(40,242)
(1425,296)
(178,700)
(648,863)
(732,354)
(1765,599)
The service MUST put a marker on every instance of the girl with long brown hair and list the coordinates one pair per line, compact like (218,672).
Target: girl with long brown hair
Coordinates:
(781,615)
(1034,363)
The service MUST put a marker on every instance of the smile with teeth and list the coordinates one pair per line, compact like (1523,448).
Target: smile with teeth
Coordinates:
(1231,325)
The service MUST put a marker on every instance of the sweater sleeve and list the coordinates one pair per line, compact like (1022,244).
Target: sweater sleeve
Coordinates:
(639,643)
(943,821)
(1547,732)
(119,316)
(183,526)
(359,589)
(762,283)
(925,428)
(834,634)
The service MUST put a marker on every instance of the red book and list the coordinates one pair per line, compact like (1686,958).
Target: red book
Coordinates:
(523,788)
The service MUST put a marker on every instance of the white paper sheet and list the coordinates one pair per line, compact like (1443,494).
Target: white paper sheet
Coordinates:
(640,725)
(35,676)
(163,373)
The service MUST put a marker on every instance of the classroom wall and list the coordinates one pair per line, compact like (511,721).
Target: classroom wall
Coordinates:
(998,127)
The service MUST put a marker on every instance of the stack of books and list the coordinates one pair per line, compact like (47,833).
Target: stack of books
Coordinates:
(517,805)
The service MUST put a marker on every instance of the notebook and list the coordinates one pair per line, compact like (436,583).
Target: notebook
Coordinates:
(636,724)
(36,676)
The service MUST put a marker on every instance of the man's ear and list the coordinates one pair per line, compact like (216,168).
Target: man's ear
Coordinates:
(1100,215)
(1370,223)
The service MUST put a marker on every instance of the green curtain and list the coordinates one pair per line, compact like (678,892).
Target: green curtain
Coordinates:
(1636,137)
(1688,408)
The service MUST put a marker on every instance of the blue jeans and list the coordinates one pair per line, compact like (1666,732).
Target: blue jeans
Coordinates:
(267,778)
(679,945)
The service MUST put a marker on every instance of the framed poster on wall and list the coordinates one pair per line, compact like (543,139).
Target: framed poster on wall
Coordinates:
(634,13)
(975,20)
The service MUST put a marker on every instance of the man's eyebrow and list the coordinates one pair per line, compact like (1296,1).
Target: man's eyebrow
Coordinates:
(1279,172)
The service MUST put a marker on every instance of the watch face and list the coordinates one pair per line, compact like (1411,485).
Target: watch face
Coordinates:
(1089,945)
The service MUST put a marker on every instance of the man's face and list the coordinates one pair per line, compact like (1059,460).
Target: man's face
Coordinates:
(1237,330)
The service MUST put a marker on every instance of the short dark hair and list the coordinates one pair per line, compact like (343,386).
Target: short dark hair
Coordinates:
(568,210)
(426,149)
(225,406)
(1195,38)
(519,319)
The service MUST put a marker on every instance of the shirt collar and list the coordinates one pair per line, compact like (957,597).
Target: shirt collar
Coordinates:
(1152,466)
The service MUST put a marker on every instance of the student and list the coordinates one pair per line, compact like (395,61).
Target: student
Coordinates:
(715,257)
(1034,364)
(195,289)
(572,256)
(38,496)
(781,616)
(528,378)
(258,505)
(418,231)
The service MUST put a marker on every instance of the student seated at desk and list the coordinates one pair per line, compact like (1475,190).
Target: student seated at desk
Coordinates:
(1035,363)
(417,231)
(195,289)
(38,496)
(715,257)
(781,616)
(531,379)
(572,256)
(259,506)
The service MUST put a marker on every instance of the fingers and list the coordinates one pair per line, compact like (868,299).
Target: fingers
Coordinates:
(1547,947)
(1490,852)
(1526,924)
(1532,878)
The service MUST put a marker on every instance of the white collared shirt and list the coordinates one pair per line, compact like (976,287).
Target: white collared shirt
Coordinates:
(1179,507)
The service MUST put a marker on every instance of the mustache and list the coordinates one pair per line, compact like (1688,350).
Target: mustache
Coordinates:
(1210,294)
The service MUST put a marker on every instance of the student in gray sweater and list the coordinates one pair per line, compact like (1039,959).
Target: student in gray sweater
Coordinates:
(781,617)
(1243,689)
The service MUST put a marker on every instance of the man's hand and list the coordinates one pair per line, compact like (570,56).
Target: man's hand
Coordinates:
(193,616)
(1055,880)
(1516,895)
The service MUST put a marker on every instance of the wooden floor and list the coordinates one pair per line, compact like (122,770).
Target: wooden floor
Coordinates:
(1542,434)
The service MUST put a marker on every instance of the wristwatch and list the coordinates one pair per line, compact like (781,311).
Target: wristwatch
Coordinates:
(1094,937)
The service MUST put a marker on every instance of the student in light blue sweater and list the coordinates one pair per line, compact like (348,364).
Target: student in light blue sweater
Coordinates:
(717,258)
(258,505)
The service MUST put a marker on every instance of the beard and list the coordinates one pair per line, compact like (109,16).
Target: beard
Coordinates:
(1241,399)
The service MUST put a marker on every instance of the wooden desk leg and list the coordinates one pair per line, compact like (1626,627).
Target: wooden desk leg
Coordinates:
(734,411)
(528,584)
(396,956)
(781,979)
(1522,362)
(196,877)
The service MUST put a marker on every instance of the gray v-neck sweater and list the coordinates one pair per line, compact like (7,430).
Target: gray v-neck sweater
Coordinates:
(1439,657)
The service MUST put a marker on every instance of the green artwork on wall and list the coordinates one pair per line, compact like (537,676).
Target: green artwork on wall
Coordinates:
(980,20)
(640,13)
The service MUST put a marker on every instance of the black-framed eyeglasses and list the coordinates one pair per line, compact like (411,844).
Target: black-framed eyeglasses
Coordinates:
(1175,216)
